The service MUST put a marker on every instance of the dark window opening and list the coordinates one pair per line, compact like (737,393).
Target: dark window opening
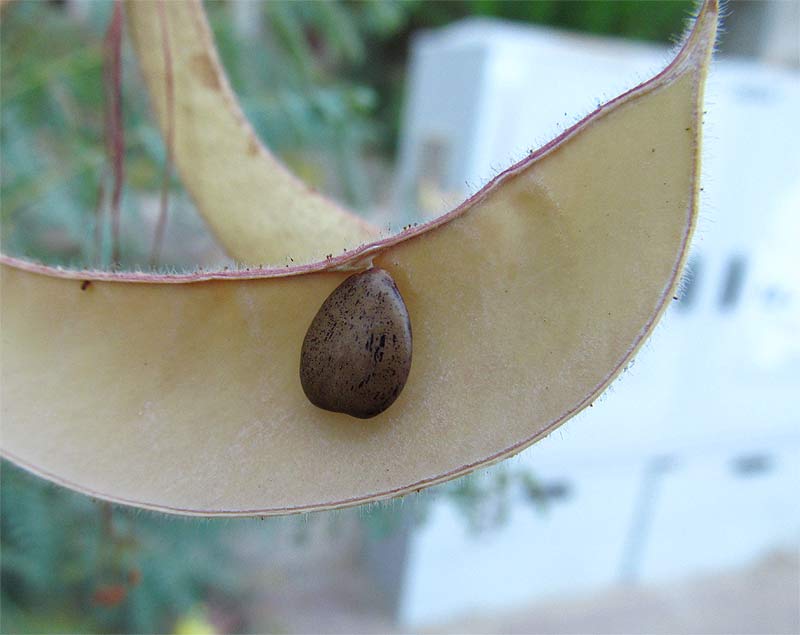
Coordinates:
(732,286)
(752,465)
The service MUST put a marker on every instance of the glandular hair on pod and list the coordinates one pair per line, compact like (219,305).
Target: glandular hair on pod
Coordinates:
(356,355)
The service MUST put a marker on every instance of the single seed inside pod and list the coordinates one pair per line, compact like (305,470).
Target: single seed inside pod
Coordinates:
(357,352)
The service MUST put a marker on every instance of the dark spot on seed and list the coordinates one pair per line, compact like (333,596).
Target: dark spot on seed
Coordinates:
(85,284)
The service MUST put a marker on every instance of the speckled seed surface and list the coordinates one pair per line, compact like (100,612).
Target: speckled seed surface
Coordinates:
(357,352)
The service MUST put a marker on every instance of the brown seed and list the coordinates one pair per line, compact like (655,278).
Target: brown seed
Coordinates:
(357,352)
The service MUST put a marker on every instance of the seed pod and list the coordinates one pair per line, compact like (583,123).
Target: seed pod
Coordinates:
(357,352)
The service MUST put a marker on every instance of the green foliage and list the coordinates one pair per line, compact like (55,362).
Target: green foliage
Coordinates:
(633,19)
(47,171)
(74,564)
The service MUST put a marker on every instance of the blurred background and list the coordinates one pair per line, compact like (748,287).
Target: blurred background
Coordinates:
(671,506)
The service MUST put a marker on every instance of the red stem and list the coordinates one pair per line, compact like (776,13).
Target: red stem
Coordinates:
(169,92)
(98,221)
(115,133)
